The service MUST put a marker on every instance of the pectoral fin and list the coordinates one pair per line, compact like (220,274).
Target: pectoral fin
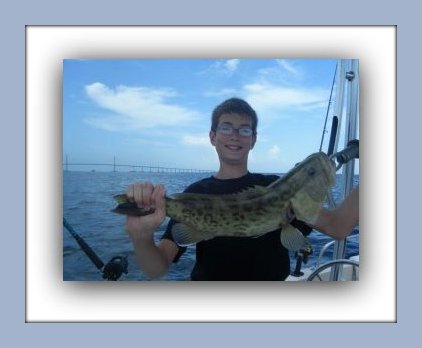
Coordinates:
(293,239)
(185,235)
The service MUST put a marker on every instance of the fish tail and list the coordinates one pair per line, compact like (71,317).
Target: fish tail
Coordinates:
(127,207)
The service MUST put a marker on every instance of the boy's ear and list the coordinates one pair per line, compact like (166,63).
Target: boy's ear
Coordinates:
(212,138)
(253,141)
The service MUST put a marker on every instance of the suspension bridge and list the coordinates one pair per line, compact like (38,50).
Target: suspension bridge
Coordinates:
(133,167)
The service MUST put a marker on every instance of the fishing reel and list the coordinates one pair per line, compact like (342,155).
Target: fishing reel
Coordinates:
(302,256)
(350,152)
(115,267)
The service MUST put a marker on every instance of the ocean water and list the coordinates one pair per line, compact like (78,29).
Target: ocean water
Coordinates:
(87,200)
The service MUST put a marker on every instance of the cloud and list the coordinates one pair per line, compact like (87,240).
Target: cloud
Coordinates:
(201,139)
(222,67)
(274,152)
(284,71)
(270,92)
(224,92)
(289,67)
(268,97)
(231,65)
(135,108)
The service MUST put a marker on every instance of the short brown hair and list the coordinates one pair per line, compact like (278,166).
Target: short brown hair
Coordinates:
(234,106)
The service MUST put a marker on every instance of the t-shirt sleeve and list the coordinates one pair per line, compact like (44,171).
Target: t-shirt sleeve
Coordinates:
(167,235)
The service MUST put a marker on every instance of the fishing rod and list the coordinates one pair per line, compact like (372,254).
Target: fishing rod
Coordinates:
(328,111)
(110,271)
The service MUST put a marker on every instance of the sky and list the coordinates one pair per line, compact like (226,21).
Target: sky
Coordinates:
(157,112)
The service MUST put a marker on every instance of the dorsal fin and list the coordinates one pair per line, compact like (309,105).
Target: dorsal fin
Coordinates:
(248,193)
(252,192)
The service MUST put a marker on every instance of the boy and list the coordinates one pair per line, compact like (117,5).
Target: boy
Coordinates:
(233,134)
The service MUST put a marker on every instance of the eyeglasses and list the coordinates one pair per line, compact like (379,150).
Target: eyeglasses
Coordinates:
(227,129)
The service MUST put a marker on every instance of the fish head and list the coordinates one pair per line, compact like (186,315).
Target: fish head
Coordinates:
(314,177)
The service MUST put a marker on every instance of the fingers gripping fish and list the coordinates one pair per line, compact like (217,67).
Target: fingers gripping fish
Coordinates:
(251,213)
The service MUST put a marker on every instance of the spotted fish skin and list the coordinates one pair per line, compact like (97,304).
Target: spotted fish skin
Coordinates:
(253,212)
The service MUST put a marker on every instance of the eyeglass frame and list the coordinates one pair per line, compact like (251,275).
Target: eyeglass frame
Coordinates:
(234,130)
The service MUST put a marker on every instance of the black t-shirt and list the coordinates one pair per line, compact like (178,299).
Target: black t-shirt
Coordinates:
(237,258)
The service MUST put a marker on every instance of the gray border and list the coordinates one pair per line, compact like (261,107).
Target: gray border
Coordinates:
(12,137)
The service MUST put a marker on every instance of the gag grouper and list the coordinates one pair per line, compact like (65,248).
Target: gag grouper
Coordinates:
(250,213)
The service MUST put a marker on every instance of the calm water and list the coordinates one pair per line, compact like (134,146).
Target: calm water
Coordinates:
(88,198)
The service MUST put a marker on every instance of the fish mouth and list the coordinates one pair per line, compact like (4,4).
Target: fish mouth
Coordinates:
(328,166)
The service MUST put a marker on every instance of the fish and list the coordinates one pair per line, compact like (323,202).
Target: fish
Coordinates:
(300,194)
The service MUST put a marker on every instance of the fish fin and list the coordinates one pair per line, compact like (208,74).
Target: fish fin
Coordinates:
(275,183)
(122,198)
(251,192)
(293,239)
(131,209)
(191,198)
(185,235)
(199,198)
(178,195)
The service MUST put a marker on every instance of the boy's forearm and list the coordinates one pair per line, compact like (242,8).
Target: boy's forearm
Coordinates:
(339,222)
(150,258)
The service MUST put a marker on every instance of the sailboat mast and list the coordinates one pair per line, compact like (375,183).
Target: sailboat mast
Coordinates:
(349,81)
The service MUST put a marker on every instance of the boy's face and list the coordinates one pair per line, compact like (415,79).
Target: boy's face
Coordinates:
(233,148)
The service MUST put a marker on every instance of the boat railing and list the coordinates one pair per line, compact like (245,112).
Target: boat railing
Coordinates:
(325,248)
(354,264)
(322,252)
(319,268)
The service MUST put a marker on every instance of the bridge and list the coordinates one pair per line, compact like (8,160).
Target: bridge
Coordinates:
(132,167)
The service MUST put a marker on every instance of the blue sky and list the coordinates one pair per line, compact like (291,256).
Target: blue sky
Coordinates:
(157,112)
